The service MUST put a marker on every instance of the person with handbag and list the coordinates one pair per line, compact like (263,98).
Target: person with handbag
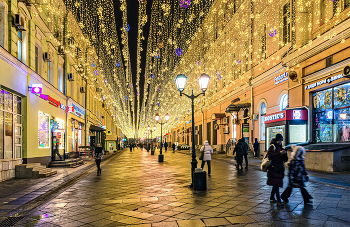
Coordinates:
(207,151)
(275,171)
(297,175)
(98,158)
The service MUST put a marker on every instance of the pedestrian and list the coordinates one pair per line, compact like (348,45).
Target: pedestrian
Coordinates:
(256,148)
(275,172)
(98,158)
(173,146)
(240,151)
(130,147)
(297,175)
(165,146)
(207,151)
(245,153)
(228,145)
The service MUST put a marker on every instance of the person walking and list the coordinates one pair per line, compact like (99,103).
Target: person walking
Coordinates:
(256,148)
(297,175)
(245,152)
(166,146)
(228,145)
(275,172)
(130,147)
(207,151)
(240,151)
(173,146)
(98,158)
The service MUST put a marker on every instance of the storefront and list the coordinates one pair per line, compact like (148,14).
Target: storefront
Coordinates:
(76,127)
(331,114)
(292,124)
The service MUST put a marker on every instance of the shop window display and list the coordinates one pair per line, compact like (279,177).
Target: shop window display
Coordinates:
(44,130)
(272,132)
(331,114)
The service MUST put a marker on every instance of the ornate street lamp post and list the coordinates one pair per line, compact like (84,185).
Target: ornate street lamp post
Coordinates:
(180,81)
(157,118)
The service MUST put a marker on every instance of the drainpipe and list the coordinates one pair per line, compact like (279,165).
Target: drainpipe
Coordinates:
(308,130)
(202,125)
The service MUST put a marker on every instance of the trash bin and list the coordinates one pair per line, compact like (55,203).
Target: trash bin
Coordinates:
(199,180)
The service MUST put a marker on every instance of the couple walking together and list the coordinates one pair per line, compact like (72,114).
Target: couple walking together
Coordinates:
(297,174)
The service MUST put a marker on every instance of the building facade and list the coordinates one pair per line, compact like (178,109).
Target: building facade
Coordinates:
(275,67)
(47,107)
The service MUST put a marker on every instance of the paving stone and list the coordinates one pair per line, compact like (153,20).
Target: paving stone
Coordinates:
(240,219)
(190,223)
(215,221)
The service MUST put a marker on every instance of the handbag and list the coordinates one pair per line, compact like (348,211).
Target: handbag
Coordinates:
(202,154)
(266,162)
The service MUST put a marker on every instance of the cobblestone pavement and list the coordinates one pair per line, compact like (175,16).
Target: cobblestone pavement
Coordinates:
(135,190)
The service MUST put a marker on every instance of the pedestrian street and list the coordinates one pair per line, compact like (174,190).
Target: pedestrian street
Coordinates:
(134,189)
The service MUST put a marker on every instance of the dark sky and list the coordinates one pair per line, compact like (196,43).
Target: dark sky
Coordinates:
(133,6)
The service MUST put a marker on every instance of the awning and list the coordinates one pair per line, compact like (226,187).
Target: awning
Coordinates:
(96,128)
(237,107)
(218,116)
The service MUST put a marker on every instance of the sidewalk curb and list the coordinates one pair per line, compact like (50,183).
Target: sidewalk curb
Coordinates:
(26,208)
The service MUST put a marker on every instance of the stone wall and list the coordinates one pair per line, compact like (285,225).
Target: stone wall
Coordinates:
(7,168)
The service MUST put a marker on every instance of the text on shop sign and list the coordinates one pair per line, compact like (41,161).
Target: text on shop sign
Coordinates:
(274,117)
(281,78)
(324,81)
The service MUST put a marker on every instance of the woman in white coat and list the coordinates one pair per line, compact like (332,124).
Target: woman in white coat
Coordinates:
(208,151)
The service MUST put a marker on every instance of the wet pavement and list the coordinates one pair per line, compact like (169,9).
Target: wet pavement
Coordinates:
(135,190)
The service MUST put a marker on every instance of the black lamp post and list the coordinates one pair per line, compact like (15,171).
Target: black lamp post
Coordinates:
(180,81)
(157,118)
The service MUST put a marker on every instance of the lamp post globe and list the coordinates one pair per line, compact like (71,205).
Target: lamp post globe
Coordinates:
(167,116)
(148,127)
(203,82)
(157,117)
(154,128)
(180,81)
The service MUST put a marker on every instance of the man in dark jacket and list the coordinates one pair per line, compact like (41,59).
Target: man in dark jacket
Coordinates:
(240,148)
(173,146)
(166,146)
(245,153)
(256,148)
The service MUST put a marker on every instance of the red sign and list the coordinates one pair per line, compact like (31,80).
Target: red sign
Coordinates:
(286,115)
(70,109)
(53,101)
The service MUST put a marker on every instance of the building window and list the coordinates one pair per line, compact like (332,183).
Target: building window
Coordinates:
(263,44)
(336,8)
(10,125)
(36,59)
(286,24)
(49,73)
(20,45)
(284,102)
(331,114)
(262,114)
(346,4)
(60,80)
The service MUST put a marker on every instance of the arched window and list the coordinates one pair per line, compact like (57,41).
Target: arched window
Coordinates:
(284,102)
(262,113)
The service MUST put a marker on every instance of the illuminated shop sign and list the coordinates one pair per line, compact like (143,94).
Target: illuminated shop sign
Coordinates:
(324,81)
(76,110)
(45,97)
(281,78)
(53,101)
(275,117)
(37,88)
(287,115)
(297,114)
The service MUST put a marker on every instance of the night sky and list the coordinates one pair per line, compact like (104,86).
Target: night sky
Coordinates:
(133,6)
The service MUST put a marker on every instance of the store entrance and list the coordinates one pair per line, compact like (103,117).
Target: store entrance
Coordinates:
(57,141)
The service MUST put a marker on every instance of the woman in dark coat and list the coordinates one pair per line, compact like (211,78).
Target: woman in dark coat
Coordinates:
(240,150)
(297,175)
(173,146)
(256,147)
(275,172)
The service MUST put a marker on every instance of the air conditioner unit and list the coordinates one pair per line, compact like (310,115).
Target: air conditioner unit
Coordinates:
(17,23)
(225,120)
(226,129)
(70,77)
(82,89)
(46,57)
